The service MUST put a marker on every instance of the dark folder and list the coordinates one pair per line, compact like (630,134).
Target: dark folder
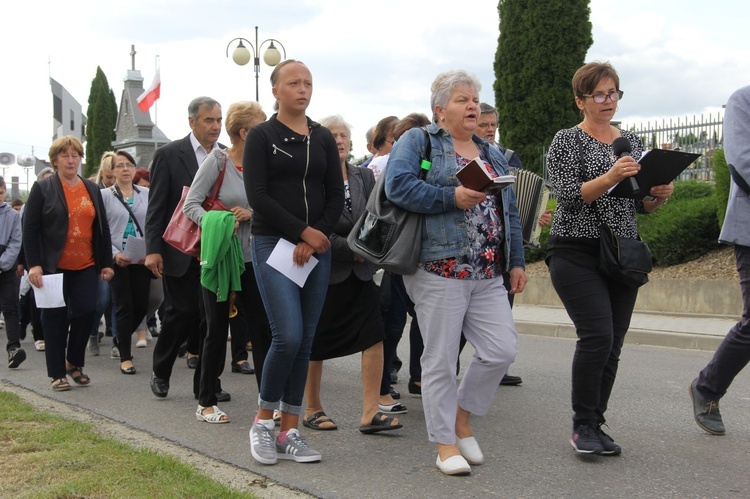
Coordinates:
(658,167)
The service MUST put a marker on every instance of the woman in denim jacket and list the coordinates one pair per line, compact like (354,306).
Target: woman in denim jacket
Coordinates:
(468,239)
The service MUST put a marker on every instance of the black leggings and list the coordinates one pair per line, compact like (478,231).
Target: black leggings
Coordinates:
(601,311)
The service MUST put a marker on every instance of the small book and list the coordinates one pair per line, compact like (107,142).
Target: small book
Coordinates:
(479,176)
(658,167)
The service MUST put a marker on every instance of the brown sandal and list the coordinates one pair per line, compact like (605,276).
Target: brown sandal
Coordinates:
(60,385)
(77,374)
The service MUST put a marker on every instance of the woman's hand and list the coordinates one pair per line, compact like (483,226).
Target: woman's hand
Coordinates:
(624,167)
(661,193)
(467,198)
(302,253)
(545,218)
(35,276)
(106,274)
(517,280)
(316,239)
(121,260)
(242,214)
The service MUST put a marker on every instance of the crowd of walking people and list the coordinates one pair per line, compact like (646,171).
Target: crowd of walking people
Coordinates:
(285,188)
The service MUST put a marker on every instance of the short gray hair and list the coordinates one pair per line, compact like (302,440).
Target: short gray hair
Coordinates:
(336,121)
(47,170)
(369,134)
(198,102)
(485,108)
(446,83)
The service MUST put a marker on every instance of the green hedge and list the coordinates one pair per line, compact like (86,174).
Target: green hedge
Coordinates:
(721,177)
(682,230)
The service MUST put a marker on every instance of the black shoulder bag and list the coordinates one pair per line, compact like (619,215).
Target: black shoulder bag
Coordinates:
(386,234)
(624,260)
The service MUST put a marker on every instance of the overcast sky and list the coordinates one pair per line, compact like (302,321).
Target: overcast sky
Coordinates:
(368,59)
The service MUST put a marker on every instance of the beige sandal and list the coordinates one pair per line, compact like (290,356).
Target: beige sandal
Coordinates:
(213,418)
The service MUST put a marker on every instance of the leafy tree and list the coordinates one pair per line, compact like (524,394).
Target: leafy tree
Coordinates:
(541,45)
(101,121)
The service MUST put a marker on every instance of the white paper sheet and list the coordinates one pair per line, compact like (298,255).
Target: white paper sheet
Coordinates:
(282,259)
(50,295)
(135,249)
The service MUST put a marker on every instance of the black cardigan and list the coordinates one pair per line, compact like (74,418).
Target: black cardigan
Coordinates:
(45,225)
(292,181)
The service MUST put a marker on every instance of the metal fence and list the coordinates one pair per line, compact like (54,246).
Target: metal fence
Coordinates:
(700,134)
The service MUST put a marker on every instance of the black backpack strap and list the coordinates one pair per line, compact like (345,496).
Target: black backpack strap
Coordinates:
(118,194)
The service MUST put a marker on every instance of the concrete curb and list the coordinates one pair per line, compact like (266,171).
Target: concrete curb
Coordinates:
(688,341)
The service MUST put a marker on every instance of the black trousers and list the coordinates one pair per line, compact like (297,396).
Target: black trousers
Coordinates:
(394,320)
(184,318)
(9,283)
(733,353)
(130,290)
(66,329)
(214,347)
(239,330)
(601,312)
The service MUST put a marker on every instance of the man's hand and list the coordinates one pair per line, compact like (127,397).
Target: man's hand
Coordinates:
(155,264)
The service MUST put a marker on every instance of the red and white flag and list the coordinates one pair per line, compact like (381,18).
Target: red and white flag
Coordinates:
(147,98)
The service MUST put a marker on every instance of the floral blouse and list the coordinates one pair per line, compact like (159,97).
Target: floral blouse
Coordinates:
(484,225)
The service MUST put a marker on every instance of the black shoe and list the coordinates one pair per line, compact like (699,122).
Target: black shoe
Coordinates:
(15,357)
(182,351)
(192,362)
(585,439)
(706,412)
(22,332)
(611,448)
(397,363)
(244,368)
(395,393)
(510,380)
(394,376)
(414,388)
(159,387)
(223,396)
(154,332)
(128,370)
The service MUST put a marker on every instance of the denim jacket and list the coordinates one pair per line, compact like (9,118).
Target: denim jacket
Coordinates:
(444,230)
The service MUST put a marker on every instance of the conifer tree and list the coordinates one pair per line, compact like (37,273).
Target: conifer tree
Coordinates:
(541,45)
(100,121)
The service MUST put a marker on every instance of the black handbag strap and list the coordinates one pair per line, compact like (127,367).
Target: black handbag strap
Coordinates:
(741,183)
(118,194)
(427,155)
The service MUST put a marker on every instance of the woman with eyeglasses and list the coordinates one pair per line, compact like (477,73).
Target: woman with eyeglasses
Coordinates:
(126,205)
(583,168)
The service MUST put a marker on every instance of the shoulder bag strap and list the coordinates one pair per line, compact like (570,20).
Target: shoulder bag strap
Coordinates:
(427,154)
(217,185)
(118,194)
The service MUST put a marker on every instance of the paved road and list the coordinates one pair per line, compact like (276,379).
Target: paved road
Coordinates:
(524,437)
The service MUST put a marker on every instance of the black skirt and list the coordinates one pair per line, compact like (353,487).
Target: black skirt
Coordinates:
(350,321)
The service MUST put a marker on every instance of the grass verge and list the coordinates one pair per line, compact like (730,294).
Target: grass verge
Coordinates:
(46,455)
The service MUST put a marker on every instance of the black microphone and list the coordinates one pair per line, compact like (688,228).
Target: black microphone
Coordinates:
(621,148)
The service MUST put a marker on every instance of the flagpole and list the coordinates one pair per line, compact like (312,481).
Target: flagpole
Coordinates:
(156,104)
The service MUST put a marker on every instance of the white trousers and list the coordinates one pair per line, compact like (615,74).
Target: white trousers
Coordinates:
(445,308)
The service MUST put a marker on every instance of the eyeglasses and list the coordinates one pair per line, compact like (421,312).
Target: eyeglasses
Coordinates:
(123,165)
(487,125)
(614,96)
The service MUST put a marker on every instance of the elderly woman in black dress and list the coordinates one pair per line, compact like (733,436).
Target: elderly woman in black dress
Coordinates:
(350,321)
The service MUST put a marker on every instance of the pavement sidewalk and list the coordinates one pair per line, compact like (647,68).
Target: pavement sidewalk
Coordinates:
(689,331)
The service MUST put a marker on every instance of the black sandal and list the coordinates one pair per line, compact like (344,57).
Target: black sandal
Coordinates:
(379,424)
(60,385)
(315,420)
(77,374)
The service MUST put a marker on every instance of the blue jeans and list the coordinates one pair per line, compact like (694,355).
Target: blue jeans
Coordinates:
(293,314)
(734,352)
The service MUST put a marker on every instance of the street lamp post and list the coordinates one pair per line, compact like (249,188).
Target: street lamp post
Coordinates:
(241,55)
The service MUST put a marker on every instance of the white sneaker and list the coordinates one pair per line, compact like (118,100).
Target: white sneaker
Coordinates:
(141,344)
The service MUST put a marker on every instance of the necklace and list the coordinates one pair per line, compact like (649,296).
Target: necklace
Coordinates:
(606,148)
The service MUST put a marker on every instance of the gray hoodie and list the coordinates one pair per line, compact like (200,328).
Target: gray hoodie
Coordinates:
(10,237)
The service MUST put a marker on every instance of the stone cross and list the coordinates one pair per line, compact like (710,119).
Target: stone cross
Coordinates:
(132,56)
